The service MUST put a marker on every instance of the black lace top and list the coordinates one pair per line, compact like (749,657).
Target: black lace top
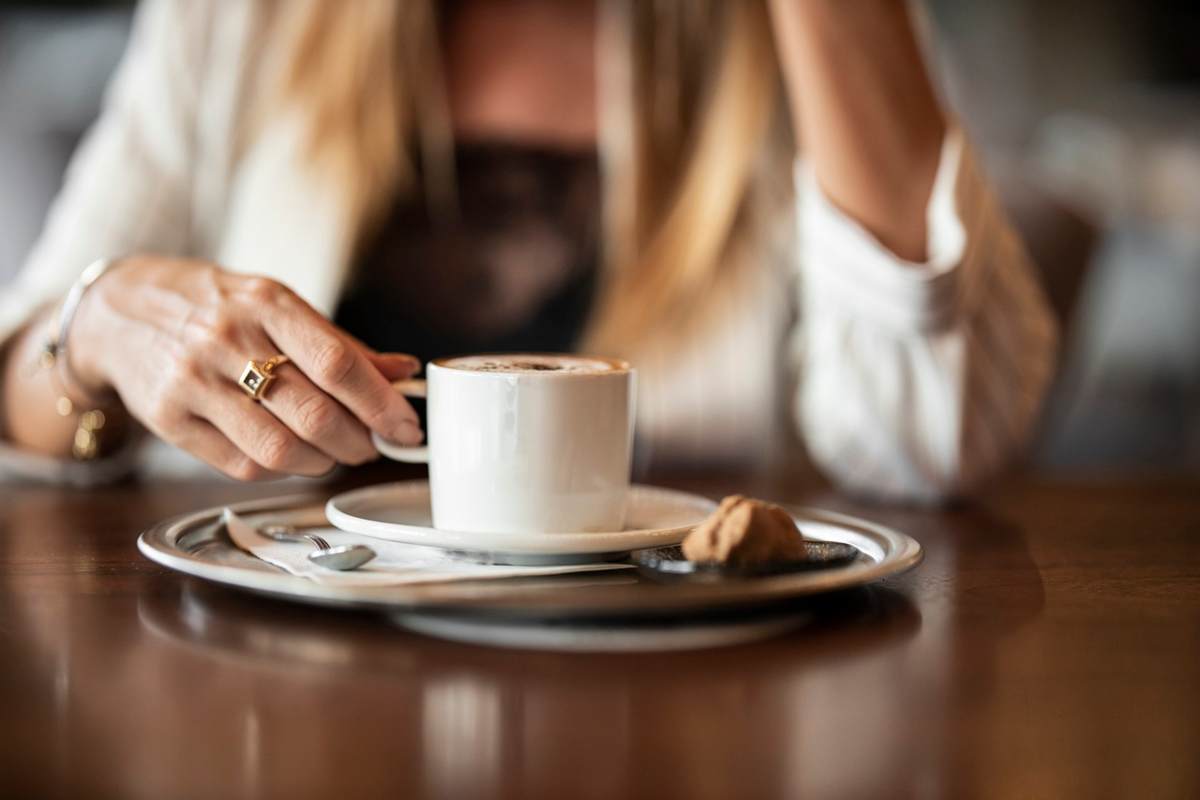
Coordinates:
(515,271)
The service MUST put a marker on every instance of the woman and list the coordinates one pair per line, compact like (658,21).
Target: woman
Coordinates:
(621,177)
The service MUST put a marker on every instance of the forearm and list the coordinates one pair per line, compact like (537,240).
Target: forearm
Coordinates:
(864,111)
(30,397)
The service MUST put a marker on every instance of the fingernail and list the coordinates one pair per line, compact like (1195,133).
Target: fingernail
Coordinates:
(407,433)
(413,361)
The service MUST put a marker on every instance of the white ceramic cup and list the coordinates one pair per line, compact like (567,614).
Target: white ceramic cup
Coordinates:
(525,450)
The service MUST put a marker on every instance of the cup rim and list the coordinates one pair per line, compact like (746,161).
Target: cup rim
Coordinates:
(618,366)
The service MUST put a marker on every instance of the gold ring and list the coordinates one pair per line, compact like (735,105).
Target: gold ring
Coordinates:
(258,375)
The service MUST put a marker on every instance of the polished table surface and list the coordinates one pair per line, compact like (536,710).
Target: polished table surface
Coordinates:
(1049,646)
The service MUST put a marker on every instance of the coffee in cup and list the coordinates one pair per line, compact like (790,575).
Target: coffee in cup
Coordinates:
(518,364)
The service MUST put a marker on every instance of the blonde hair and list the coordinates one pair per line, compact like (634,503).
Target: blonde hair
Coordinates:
(686,127)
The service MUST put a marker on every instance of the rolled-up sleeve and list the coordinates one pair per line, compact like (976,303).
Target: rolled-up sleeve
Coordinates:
(919,380)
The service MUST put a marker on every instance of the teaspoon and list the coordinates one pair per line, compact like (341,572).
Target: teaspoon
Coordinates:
(669,563)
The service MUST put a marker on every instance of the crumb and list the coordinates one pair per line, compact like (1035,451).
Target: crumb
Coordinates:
(744,532)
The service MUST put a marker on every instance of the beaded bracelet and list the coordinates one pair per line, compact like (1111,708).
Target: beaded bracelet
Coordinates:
(86,444)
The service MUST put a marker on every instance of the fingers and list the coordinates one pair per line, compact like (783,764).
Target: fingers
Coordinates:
(201,325)
(341,368)
(262,437)
(394,366)
(317,418)
(204,441)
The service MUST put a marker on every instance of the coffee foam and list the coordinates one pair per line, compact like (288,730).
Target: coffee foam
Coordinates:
(531,364)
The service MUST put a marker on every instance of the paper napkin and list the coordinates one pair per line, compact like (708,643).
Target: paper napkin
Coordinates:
(394,564)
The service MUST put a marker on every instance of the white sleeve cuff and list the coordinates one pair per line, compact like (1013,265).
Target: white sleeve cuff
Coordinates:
(846,268)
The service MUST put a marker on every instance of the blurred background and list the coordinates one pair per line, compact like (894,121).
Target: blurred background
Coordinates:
(1087,111)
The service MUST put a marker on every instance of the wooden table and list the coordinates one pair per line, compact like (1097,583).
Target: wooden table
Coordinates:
(1049,646)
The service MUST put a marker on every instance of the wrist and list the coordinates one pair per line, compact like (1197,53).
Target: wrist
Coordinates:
(83,362)
(82,332)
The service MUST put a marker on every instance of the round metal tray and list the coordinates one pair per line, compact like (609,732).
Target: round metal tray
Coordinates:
(195,544)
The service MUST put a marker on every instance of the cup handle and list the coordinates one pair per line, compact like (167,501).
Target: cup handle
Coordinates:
(414,387)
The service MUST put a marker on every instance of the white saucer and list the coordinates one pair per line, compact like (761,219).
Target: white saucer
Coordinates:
(399,512)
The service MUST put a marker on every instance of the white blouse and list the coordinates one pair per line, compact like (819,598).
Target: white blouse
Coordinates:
(906,380)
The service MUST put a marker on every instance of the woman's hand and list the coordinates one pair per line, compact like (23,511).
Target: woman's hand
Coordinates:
(172,336)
